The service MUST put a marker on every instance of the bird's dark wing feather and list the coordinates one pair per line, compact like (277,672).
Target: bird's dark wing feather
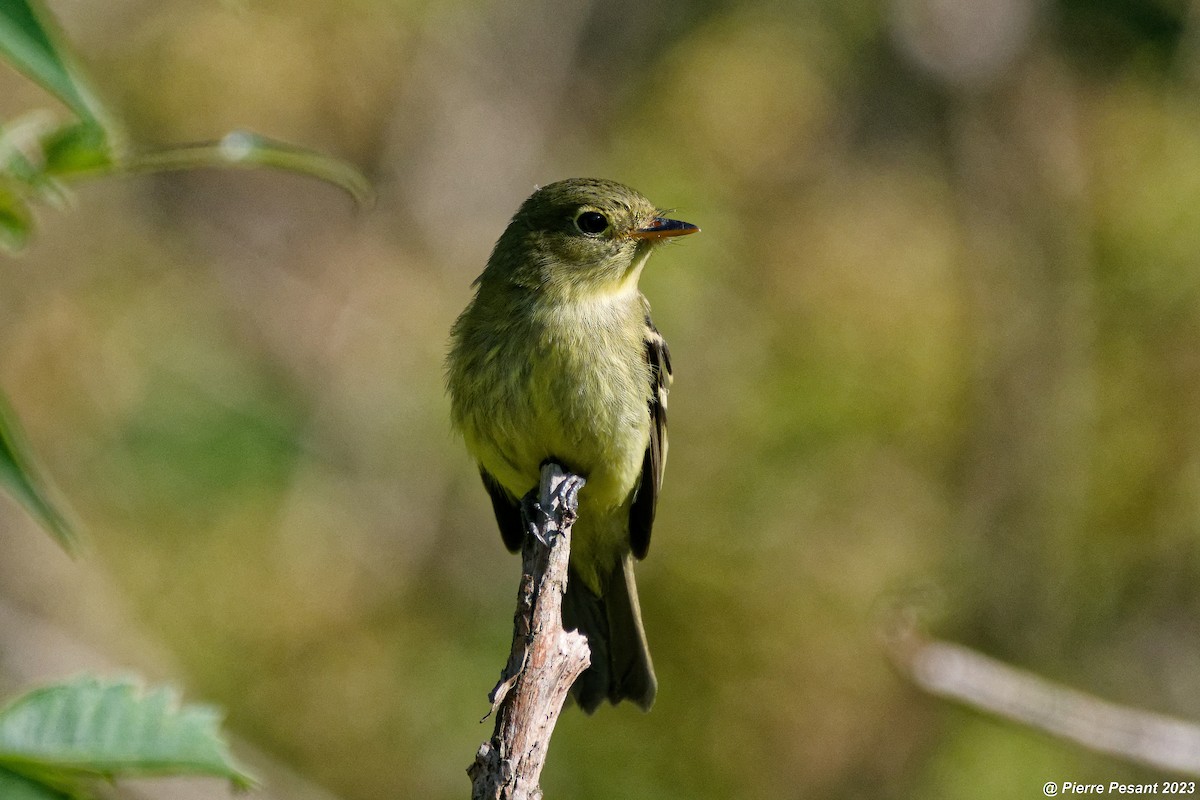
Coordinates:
(641,513)
(508,511)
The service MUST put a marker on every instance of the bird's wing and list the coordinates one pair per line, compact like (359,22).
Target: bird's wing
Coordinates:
(641,513)
(507,509)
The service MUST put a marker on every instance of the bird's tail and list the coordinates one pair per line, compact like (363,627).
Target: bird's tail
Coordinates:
(621,667)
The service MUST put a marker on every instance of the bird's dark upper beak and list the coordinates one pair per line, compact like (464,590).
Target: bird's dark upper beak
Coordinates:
(661,228)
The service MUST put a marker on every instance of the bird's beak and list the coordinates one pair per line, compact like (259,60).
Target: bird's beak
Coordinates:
(661,228)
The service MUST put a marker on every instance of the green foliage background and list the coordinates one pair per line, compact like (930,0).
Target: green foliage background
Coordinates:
(938,341)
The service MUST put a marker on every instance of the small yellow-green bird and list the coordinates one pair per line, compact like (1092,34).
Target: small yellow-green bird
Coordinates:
(556,359)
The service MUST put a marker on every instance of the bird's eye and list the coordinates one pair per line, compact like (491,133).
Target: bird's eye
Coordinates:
(591,222)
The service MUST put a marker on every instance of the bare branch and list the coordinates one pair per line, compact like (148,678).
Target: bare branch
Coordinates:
(959,673)
(545,659)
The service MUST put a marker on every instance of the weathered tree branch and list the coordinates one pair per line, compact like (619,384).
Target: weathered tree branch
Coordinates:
(545,659)
(959,673)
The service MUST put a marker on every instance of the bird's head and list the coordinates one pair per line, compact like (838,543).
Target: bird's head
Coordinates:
(581,238)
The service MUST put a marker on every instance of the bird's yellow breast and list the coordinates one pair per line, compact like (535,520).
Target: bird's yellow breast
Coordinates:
(579,397)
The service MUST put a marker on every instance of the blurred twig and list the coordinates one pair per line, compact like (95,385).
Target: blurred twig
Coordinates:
(545,659)
(959,673)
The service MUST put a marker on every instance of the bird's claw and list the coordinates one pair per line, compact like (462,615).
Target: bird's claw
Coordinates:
(537,519)
(548,514)
(568,494)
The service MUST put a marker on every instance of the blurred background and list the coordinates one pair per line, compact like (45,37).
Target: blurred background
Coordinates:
(937,345)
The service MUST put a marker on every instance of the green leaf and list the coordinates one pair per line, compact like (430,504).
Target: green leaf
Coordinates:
(17,139)
(20,479)
(16,225)
(15,787)
(75,147)
(112,729)
(246,149)
(28,42)
(24,161)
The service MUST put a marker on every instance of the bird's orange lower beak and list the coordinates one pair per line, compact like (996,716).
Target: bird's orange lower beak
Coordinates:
(661,228)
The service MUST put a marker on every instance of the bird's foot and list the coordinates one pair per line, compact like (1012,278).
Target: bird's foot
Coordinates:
(538,523)
(554,505)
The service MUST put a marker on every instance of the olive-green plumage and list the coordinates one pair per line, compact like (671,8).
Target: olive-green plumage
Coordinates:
(556,359)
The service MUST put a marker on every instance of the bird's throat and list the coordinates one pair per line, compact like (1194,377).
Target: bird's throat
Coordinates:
(621,289)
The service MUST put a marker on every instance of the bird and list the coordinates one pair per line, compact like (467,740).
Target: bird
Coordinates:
(555,358)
